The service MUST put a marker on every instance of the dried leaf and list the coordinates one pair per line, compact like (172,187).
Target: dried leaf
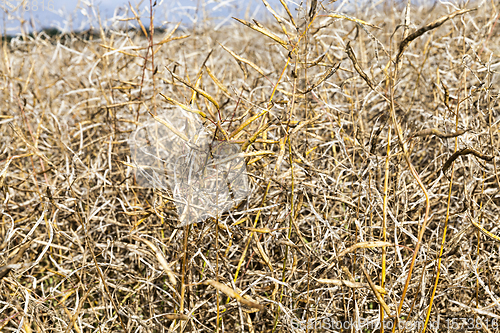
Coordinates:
(344,201)
(217,82)
(433,25)
(363,245)
(160,257)
(175,316)
(275,15)
(462,152)
(312,10)
(197,89)
(290,16)
(254,137)
(353,19)
(183,106)
(438,133)
(263,254)
(482,229)
(259,230)
(376,292)
(323,78)
(246,123)
(169,38)
(170,127)
(446,97)
(357,67)
(281,154)
(349,284)
(13,263)
(231,293)
(243,60)
(263,31)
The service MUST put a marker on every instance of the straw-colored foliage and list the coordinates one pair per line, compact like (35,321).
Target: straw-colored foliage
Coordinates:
(371,138)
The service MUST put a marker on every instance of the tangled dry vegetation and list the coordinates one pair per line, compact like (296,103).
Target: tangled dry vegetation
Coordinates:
(371,140)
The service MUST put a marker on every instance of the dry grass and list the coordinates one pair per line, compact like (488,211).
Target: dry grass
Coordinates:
(371,159)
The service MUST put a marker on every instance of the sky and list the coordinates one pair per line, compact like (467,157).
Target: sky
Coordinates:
(74,15)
